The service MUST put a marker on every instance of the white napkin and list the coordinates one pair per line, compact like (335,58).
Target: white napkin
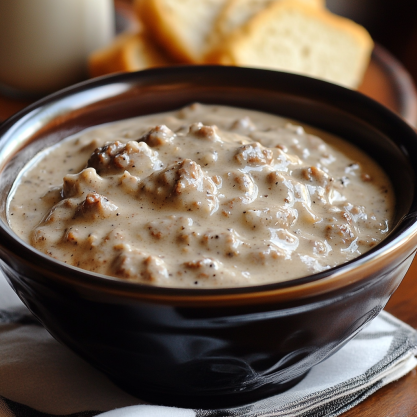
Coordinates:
(37,373)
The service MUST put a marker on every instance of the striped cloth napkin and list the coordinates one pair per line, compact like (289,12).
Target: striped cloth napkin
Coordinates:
(41,378)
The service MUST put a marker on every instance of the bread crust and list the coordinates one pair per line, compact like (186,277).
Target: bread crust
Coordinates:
(170,32)
(128,52)
(111,58)
(161,25)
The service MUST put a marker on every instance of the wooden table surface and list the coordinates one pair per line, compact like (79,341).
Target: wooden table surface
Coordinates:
(398,399)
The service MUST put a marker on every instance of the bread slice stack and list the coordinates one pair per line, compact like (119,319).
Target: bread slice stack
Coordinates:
(299,36)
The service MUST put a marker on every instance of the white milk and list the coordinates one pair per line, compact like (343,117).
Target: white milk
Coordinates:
(44,44)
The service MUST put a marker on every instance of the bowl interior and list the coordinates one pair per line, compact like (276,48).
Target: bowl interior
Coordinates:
(342,112)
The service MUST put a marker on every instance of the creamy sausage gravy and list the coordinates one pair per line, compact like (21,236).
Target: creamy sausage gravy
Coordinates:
(206,196)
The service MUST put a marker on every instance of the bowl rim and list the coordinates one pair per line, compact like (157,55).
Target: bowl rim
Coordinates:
(315,284)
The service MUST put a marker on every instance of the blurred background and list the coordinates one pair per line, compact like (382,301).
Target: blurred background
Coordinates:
(391,23)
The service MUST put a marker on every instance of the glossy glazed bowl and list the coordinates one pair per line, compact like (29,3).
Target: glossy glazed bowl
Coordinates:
(210,348)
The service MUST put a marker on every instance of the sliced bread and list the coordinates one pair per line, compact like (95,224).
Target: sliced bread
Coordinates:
(296,37)
(128,52)
(236,13)
(181,27)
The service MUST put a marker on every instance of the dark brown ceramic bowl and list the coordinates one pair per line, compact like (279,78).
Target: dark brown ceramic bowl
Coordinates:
(210,348)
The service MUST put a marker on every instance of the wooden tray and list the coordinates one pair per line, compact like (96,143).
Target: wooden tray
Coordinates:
(387,81)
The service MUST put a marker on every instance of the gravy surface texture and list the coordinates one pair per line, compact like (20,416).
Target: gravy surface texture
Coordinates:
(206,196)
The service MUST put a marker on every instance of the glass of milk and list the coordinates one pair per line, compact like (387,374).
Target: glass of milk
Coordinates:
(44,44)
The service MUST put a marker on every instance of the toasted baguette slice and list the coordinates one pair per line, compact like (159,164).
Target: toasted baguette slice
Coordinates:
(181,27)
(292,36)
(236,13)
(128,52)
